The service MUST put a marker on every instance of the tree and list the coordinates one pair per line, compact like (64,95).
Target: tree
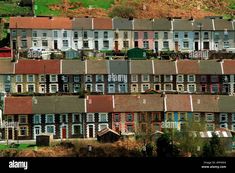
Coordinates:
(214,148)
(123,11)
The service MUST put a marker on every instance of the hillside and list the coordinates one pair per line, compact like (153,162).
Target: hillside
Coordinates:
(137,8)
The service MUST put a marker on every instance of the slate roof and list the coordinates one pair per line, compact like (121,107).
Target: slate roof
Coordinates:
(226,103)
(221,24)
(177,103)
(162,25)
(182,25)
(205,103)
(143,24)
(73,67)
(18,105)
(6,67)
(82,23)
(37,67)
(97,67)
(57,104)
(118,67)
(164,67)
(138,103)
(99,103)
(188,67)
(141,67)
(207,24)
(210,67)
(122,24)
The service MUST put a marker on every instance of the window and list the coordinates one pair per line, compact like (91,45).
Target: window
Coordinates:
(180,87)
(53,88)
(55,34)
(185,44)
(196,35)
(134,78)
(44,43)
(31,88)
(217,37)
(203,88)
(185,34)
(42,78)
(145,78)
(37,119)
(100,88)
(168,87)
(223,117)
(168,78)
(129,117)
(23,131)
(130,128)
(63,118)
(19,88)
(44,34)
(35,34)
(206,35)
(111,88)
(210,126)
(65,34)
(19,78)
(90,118)
(209,117)
(88,78)
(136,35)
(122,88)
(165,44)
(224,125)
(50,129)
(180,78)
(65,88)
(125,35)
(96,35)
(145,35)
(196,117)
(116,117)
(191,78)
(76,88)
(156,35)
(23,119)
(53,78)
(13,33)
(226,44)
(145,87)
(88,87)
(233,127)
(77,118)
(191,88)
(169,116)
(157,78)
(85,44)
(106,44)
(206,45)
(214,78)
(165,36)
(105,34)
(102,126)
(50,118)
(42,88)
(10,118)
(146,44)
(64,78)
(116,36)
(76,129)
(23,34)
(176,35)
(99,78)
(75,35)
(76,78)
(203,78)
(24,43)
(182,116)
(233,117)
(30,78)
(103,117)
(65,43)
(126,44)
(85,35)
(214,88)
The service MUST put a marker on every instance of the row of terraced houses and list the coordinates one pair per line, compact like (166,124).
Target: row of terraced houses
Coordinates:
(59,33)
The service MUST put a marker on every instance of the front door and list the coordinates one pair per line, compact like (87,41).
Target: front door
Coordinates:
(37,131)
(96,45)
(176,46)
(116,46)
(64,132)
(10,133)
(19,88)
(55,44)
(216,46)
(90,130)
(196,46)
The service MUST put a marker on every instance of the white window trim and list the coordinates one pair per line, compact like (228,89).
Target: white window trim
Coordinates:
(226,117)
(142,86)
(119,88)
(132,76)
(101,124)
(74,88)
(189,78)
(51,78)
(142,78)
(27,89)
(64,87)
(178,85)
(21,78)
(57,88)
(21,88)
(40,88)
(210,124)
(159,78)
(99,75)
(28,77)
(41,76)
(194,87)
(66,118)
(106,118)
(65,78)
(87,130)
(233,126)
(89,85)
(88,77)
(221,124)
(27,130)
(96,87)
(137,88)
(233,117)
(75,78)
(77,125)
(48,115)
(80,117)
(40,128)
(48,132)
(113,85)
(39,118)
(168,84)
(210,114)
(10,117)
(19,117)
(177,78)
(67,130)
(171,78)
(198,115)
(93,117)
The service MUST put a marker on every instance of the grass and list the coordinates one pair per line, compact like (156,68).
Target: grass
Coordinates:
(8,9)
(20,147)
(43,10)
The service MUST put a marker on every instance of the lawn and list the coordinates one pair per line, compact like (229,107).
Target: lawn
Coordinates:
(10,9)
(43,10)
(21,146)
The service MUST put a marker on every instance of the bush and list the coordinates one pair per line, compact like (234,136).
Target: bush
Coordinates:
(123,11)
